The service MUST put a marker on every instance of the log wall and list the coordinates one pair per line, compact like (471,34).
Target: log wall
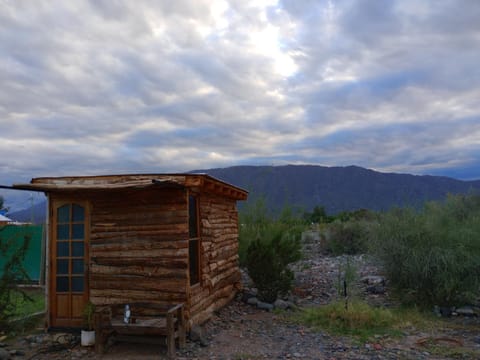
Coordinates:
(144,256)
(138,246)
(139,249)
(220,273)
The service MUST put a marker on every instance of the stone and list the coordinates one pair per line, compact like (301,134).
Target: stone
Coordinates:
(377,289)
(264,306)
(31,338)
(373,280)
(62,338)
(247,295)
(465,311)
(197,335)
(2,345)
(4,354)
(281,304)
(446,311)
(252,301)
(17,352)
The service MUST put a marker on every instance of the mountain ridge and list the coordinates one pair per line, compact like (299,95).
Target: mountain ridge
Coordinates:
(335,188)
(339,188)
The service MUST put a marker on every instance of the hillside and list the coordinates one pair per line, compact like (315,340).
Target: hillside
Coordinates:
(338,188)
(35,214)
(335,188)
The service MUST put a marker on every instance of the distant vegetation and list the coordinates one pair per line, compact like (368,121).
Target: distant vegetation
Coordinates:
(432,256)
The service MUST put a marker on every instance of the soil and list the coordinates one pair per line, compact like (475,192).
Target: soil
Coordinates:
(242,331)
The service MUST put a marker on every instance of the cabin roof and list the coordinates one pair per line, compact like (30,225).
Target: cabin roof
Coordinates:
(204,182)
(5,219)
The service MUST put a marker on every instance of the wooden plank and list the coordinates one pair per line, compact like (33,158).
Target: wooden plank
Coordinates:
(139,261)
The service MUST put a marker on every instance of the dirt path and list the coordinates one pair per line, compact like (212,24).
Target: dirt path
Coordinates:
(241,331)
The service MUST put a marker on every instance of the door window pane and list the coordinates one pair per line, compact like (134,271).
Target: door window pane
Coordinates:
(77,284)
(63,214)
(78,213)
(62,267)
(62,249)
(77,248)
(77,266)
(62,284)
(63,232)
(70,249)
(78,232)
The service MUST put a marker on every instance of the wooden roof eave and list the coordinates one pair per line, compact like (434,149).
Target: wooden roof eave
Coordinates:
(88,187)
(203,182)
(215,186)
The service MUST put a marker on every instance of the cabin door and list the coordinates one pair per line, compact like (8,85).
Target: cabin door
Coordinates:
(69,263)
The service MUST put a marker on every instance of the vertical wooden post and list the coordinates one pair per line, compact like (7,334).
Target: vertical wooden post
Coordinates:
(170,336)
(181,328)
(99,346)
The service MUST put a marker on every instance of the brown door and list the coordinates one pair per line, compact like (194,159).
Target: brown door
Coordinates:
(69,265)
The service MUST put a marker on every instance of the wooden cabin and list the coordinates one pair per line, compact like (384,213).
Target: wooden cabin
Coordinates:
(119,239)
(4,220)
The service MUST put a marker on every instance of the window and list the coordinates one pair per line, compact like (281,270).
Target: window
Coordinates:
(70,248)
(194,240)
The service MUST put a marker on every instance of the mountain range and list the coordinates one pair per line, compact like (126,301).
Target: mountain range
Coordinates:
(335,188)
(339,188)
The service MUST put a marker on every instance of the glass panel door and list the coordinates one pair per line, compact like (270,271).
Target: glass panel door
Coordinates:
(69,271)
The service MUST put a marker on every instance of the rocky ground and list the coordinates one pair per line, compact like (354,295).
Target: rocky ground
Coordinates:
(244,331)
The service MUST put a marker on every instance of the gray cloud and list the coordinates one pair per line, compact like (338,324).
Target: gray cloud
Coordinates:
(115,86)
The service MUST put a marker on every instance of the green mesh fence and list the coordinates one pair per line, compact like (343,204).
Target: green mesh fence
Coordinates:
(12,236)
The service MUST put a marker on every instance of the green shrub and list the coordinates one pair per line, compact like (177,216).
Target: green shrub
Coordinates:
(254,221)
(360,319)
(267,263)
(268,245)
(432,257)
(347,238)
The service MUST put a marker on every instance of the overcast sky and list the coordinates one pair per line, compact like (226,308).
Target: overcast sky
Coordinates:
(94,87)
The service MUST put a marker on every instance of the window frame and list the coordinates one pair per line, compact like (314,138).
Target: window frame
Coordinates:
(194,241)
(71,241)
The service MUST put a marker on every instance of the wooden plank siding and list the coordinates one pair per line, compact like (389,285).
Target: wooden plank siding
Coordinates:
(220,274)
(139,247)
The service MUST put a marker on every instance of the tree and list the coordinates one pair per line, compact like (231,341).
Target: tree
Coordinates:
(318,216)
(3,210)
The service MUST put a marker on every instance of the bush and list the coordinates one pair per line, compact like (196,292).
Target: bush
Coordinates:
(254,221)
(267,246)
(432,257)
(267,263)
(347,238)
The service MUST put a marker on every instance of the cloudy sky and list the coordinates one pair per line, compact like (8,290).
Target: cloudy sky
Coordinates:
(112,86)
